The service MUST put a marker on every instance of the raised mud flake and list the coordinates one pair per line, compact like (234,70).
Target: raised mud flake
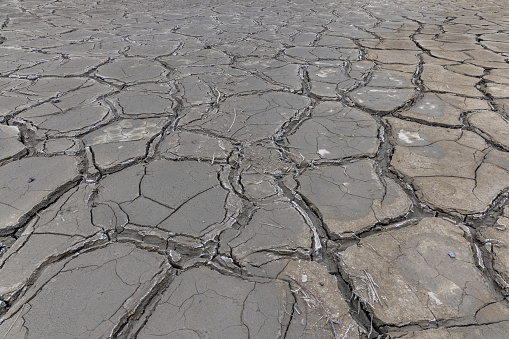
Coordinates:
(9,98)
(458,36)
(195,92)
(498,90)
(72,66)
(13,59)
(333,40)
(387,91)
(67,146)
(258,186)
(152,46)
(391,79)
(446,57)
(200,215)
(327,78)
(502,107)
(315,290)
(438,79)
(72,113)
(261,166)
(492,124)
(29,184)
(252,47)
(145,212)
(443,108)
(253,117)
(495,41)
(201,26)
(497,81)
(146,100)
(184,144)
(334,132)
(95,292)
(122,186)
(182,197)
(496,241)
(50,120)
(448,49)
(487,59)
(282,73)
(188,178)
(10,145)
(306,54)
(406,275)
(345,27)
(464,149)
(265,158)
(274,228)
(203,303)
(467,69)
(132,70)
(390,44)
(123,141)
(390,57)
(18,94)
(229,81)
(352,198)
(61,229)
(450,169)
(200,202)
(99,46)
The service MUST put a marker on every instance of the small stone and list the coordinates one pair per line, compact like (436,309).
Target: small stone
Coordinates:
(175,256)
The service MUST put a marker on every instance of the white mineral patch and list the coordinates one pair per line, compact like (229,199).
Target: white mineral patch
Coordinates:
(432,296)
(323,152)
(409,136)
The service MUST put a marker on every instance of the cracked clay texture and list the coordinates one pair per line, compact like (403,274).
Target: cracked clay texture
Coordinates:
(210,169)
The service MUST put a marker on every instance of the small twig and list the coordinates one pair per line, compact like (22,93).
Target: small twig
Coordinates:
(316,323)
(371,328)
(320,303)
(277,226)
(346,332)
(247,169)
(218,96)
(234,118)
(284,309)
(372,285)
(10,328)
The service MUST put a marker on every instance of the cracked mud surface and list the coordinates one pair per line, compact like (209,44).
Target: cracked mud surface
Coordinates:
(207,169)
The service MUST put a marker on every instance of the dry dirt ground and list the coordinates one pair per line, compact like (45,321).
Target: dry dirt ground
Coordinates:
(254,169)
